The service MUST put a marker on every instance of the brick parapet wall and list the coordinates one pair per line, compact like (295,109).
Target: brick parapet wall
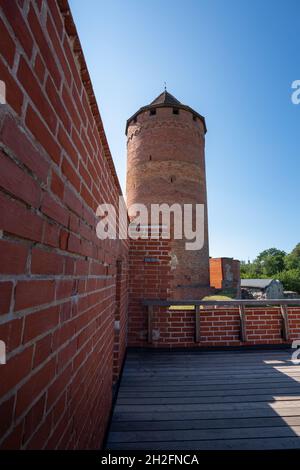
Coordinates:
(150,276)
(220,327)
(60,294)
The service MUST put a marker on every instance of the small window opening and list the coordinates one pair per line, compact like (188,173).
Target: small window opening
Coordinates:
(152,112)
(194,118)
(150,157)
(135,119)
(172,179)
(175,111)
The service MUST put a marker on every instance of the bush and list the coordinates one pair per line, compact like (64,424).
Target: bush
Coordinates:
(290,279)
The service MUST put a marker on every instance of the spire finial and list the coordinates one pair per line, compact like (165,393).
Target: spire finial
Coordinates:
(165,86)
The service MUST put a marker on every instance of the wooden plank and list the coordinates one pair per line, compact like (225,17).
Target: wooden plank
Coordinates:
(206,414)
(202,377)
(213,380)
(210,371)
(208,393)
(205,406)
(154,356)
(243,332)
(190,380)
(204,434)
(204,424)
(225,444)
(204,388)
(167,377)
(150,324)
(183,400)
(213,368)
(217,368)
(217,362)
(193,375)
(285,323)
(214,371)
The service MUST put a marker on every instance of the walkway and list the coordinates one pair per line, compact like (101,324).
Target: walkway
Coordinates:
(207,400)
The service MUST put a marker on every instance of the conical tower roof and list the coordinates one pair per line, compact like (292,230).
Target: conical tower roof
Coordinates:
(165,99)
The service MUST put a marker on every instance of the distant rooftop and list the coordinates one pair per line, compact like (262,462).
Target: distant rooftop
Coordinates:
(256,283)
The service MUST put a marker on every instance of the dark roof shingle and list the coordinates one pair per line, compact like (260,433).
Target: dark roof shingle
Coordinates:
(256,283)
(165,99)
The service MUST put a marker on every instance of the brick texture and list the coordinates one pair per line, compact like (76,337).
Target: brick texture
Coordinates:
(166,164)
(219,327)
(150,277)
(63,292)
(225,274)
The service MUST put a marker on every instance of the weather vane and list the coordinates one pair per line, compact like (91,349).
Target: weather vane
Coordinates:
(165,85)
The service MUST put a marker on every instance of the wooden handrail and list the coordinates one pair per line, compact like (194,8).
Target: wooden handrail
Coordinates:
(285,323)
(243,331)
(233,303)
(150,325)
(197,324)
(241,304)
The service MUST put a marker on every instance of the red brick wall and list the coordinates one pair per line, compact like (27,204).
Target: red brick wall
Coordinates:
(60,292)
(225,273)
(220,327)
(150,277)
(121,324)
(216,272)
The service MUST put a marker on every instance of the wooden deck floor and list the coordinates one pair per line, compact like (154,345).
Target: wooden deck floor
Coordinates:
(211,400)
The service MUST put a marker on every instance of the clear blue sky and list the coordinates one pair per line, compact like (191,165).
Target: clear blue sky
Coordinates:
(232,61)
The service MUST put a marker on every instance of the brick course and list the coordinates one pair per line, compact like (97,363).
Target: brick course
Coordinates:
(219,327)
(166,164)
(147,279)
(63,292)
(60,292)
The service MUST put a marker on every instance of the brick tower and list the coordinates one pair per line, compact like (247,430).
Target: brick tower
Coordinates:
(166,164)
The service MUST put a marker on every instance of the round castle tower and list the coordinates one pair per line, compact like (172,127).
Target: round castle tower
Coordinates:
(166,164)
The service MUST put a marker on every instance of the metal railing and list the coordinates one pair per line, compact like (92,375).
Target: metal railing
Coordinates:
(241,304)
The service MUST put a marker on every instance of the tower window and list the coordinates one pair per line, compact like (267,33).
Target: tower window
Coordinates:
(194,117)
(172,179)
(175,111)
(150,157)
(152,112)
(135,119)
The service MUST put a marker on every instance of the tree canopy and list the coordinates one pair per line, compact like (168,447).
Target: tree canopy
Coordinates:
(277,264)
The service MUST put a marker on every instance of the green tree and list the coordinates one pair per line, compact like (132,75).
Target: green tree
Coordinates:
(292,261)
(250,271)
(270,262)
(276,264)
(290,279)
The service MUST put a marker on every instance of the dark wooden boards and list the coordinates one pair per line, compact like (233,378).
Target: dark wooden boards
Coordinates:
(212,400)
